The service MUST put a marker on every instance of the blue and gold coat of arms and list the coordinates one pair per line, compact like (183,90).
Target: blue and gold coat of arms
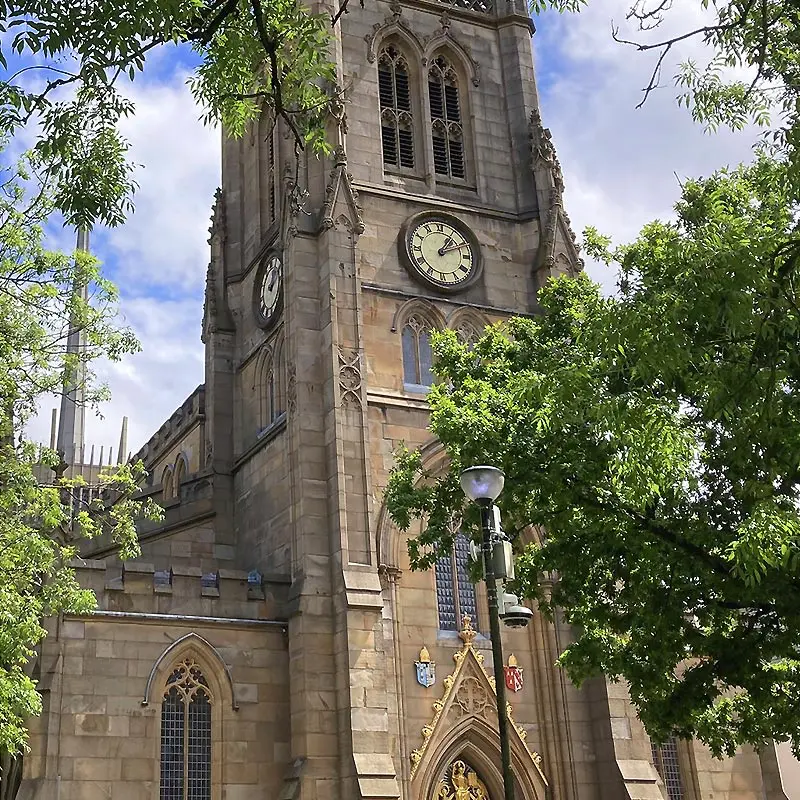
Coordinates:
(426,669)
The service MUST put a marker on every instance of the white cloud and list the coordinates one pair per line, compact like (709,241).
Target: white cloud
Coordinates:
(164,242)
(622,165)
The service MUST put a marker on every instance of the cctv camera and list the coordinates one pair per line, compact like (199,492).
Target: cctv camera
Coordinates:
(517,616)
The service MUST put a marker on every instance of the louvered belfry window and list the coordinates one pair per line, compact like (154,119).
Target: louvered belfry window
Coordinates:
(447,130)
(665,760)
(272,177)
(455,593)
(397,130)
(186,735)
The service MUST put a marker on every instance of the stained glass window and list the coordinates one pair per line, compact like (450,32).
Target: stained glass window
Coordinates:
(455,593)
(397,133)
(665,760)
(186,735)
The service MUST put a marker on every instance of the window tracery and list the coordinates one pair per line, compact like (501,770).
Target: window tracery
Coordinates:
(467,332)
(397,122)
(186,709)
(417,352)
(667,764)
(455,593)
(447,131)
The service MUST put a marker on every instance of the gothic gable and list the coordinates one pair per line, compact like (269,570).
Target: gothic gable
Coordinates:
(465,722)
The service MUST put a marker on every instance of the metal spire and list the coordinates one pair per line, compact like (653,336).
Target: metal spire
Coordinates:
(71,421)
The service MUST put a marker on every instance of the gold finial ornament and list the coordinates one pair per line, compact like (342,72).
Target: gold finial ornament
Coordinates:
(467,632)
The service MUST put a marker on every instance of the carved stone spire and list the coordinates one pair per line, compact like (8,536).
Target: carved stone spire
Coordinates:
(216,314)
(72,419)
(557,239)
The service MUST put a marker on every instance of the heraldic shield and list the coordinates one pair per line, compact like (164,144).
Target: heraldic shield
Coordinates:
(426,669)
(513,673)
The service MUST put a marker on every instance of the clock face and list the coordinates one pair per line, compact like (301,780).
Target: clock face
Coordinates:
(269,294)
(441,251)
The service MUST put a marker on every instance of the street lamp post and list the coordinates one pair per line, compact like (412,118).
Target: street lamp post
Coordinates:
(483,485)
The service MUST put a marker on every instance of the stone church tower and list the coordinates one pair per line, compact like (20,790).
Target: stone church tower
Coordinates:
(271,641)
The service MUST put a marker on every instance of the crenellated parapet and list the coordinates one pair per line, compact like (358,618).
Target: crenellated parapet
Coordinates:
(188,414)
(138,587)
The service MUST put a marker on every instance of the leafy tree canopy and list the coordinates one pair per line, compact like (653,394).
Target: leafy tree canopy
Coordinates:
(651,446)
(41,525)
(67,59)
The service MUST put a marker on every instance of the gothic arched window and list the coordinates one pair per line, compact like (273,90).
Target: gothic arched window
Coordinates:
(271,386)
(666,762)
(417,352)
(186,735)
(447,132)
(167,483)
(394,89)
(455,593)
(180,474)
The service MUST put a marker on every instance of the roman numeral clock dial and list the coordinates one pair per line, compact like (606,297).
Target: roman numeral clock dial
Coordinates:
(440,251)
(268,298)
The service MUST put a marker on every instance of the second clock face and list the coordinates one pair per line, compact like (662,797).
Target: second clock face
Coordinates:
(269,291)
(441,251)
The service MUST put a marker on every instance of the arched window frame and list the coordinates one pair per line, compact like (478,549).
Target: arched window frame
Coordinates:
(444,61)
(411,320)
(220,683)
(179,474)
(468,324)
(415,338)
(271,384)
(398,106)
(167,483)
(185,735)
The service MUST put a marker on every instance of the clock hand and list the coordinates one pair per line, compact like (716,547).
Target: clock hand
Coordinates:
(443,250)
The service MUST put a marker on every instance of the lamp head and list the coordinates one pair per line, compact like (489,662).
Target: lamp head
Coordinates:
(482,484)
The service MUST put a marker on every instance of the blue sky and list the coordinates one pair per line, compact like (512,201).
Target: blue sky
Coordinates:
(621,165)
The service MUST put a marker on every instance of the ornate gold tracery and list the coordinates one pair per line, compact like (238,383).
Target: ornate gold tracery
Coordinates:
(461,782)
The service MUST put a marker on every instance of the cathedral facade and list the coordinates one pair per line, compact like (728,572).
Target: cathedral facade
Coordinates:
(271,641)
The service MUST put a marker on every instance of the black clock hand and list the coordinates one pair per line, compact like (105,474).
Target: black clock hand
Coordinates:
(444,248)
